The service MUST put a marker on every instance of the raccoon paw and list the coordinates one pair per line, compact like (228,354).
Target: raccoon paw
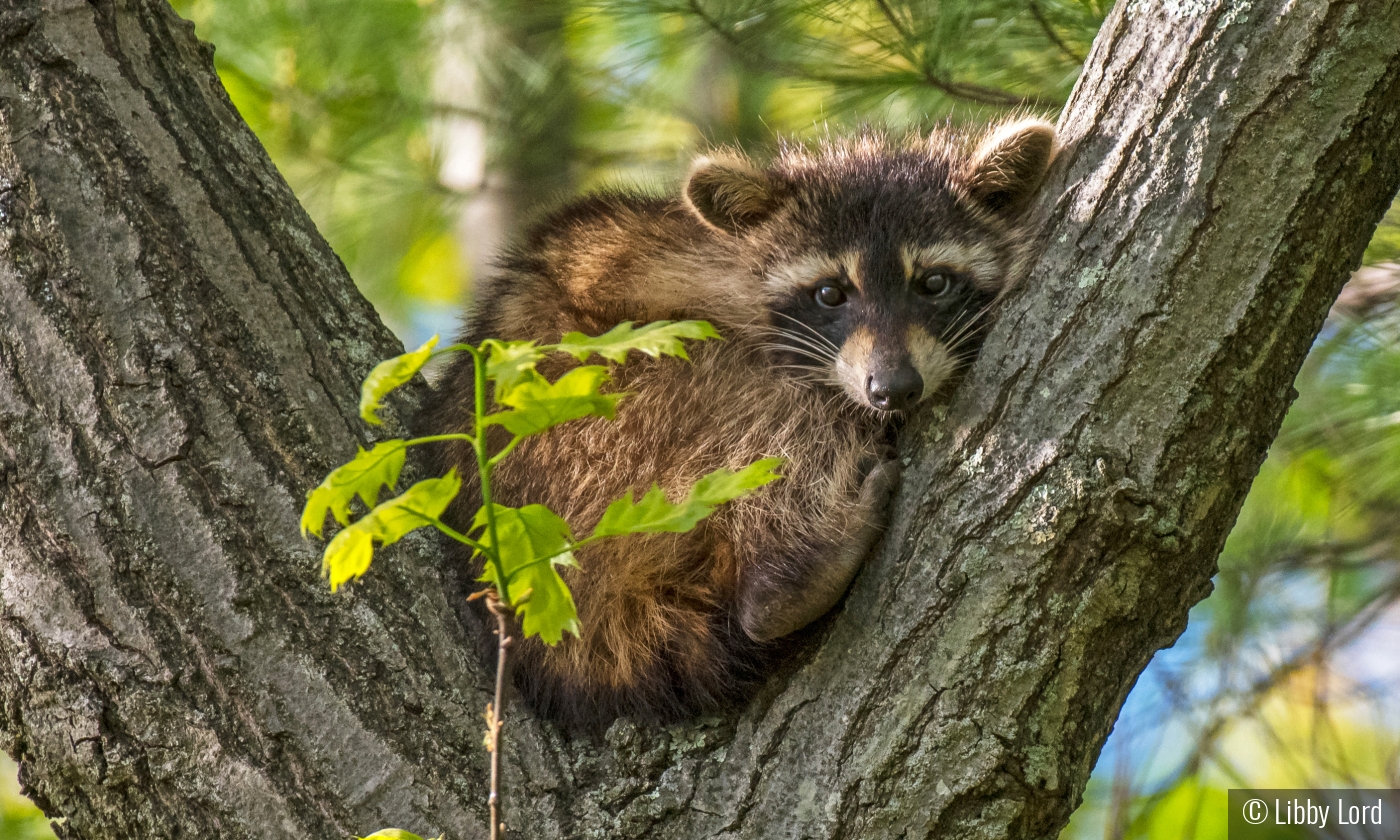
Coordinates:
(878,488)
(871,460)
(776,606)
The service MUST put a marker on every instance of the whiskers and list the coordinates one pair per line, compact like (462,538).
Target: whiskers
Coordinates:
(964,328)
(815,353)
(810,337)
(818,372)
(798,352)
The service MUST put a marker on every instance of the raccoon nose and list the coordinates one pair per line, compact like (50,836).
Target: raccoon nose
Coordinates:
(895,390)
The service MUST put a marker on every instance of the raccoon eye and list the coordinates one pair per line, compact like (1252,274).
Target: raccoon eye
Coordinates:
(830,296)
(935,282)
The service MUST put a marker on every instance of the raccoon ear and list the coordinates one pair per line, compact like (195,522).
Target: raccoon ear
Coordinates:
(729,193)
(1010,163)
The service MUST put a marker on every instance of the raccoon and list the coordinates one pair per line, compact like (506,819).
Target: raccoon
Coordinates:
(850,280)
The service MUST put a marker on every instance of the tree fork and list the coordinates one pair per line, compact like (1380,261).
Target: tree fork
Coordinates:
(179,358)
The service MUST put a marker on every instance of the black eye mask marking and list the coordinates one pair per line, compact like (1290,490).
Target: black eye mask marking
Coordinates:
(938,298)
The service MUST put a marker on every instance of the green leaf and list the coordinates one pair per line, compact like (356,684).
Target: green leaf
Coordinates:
(533,542)
(724,485)
(348,555)
(508,363)
(539,404)
(654,513)
(388,375)
(659,338)
(363,476)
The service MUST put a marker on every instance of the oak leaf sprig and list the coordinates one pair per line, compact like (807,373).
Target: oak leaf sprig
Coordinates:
(522,548)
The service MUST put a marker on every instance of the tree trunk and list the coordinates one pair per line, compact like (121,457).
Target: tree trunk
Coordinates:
(179,358)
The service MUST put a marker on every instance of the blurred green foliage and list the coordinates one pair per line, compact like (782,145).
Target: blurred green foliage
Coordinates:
(421,134)
(19,819)
(1385,245)
(338,92)
(1286,676)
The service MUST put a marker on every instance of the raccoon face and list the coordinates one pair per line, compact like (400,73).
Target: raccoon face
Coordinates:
(888,323)
(876,262)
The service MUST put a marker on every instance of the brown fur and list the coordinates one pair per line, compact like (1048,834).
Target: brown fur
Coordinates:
(674,623)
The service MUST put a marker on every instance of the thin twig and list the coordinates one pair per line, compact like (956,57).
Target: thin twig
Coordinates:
(1247,703)
(980,94)
(483,467)
(1052,34)
(910,42)
(495,712)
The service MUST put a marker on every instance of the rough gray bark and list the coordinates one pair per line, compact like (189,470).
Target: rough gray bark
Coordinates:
(178,361)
